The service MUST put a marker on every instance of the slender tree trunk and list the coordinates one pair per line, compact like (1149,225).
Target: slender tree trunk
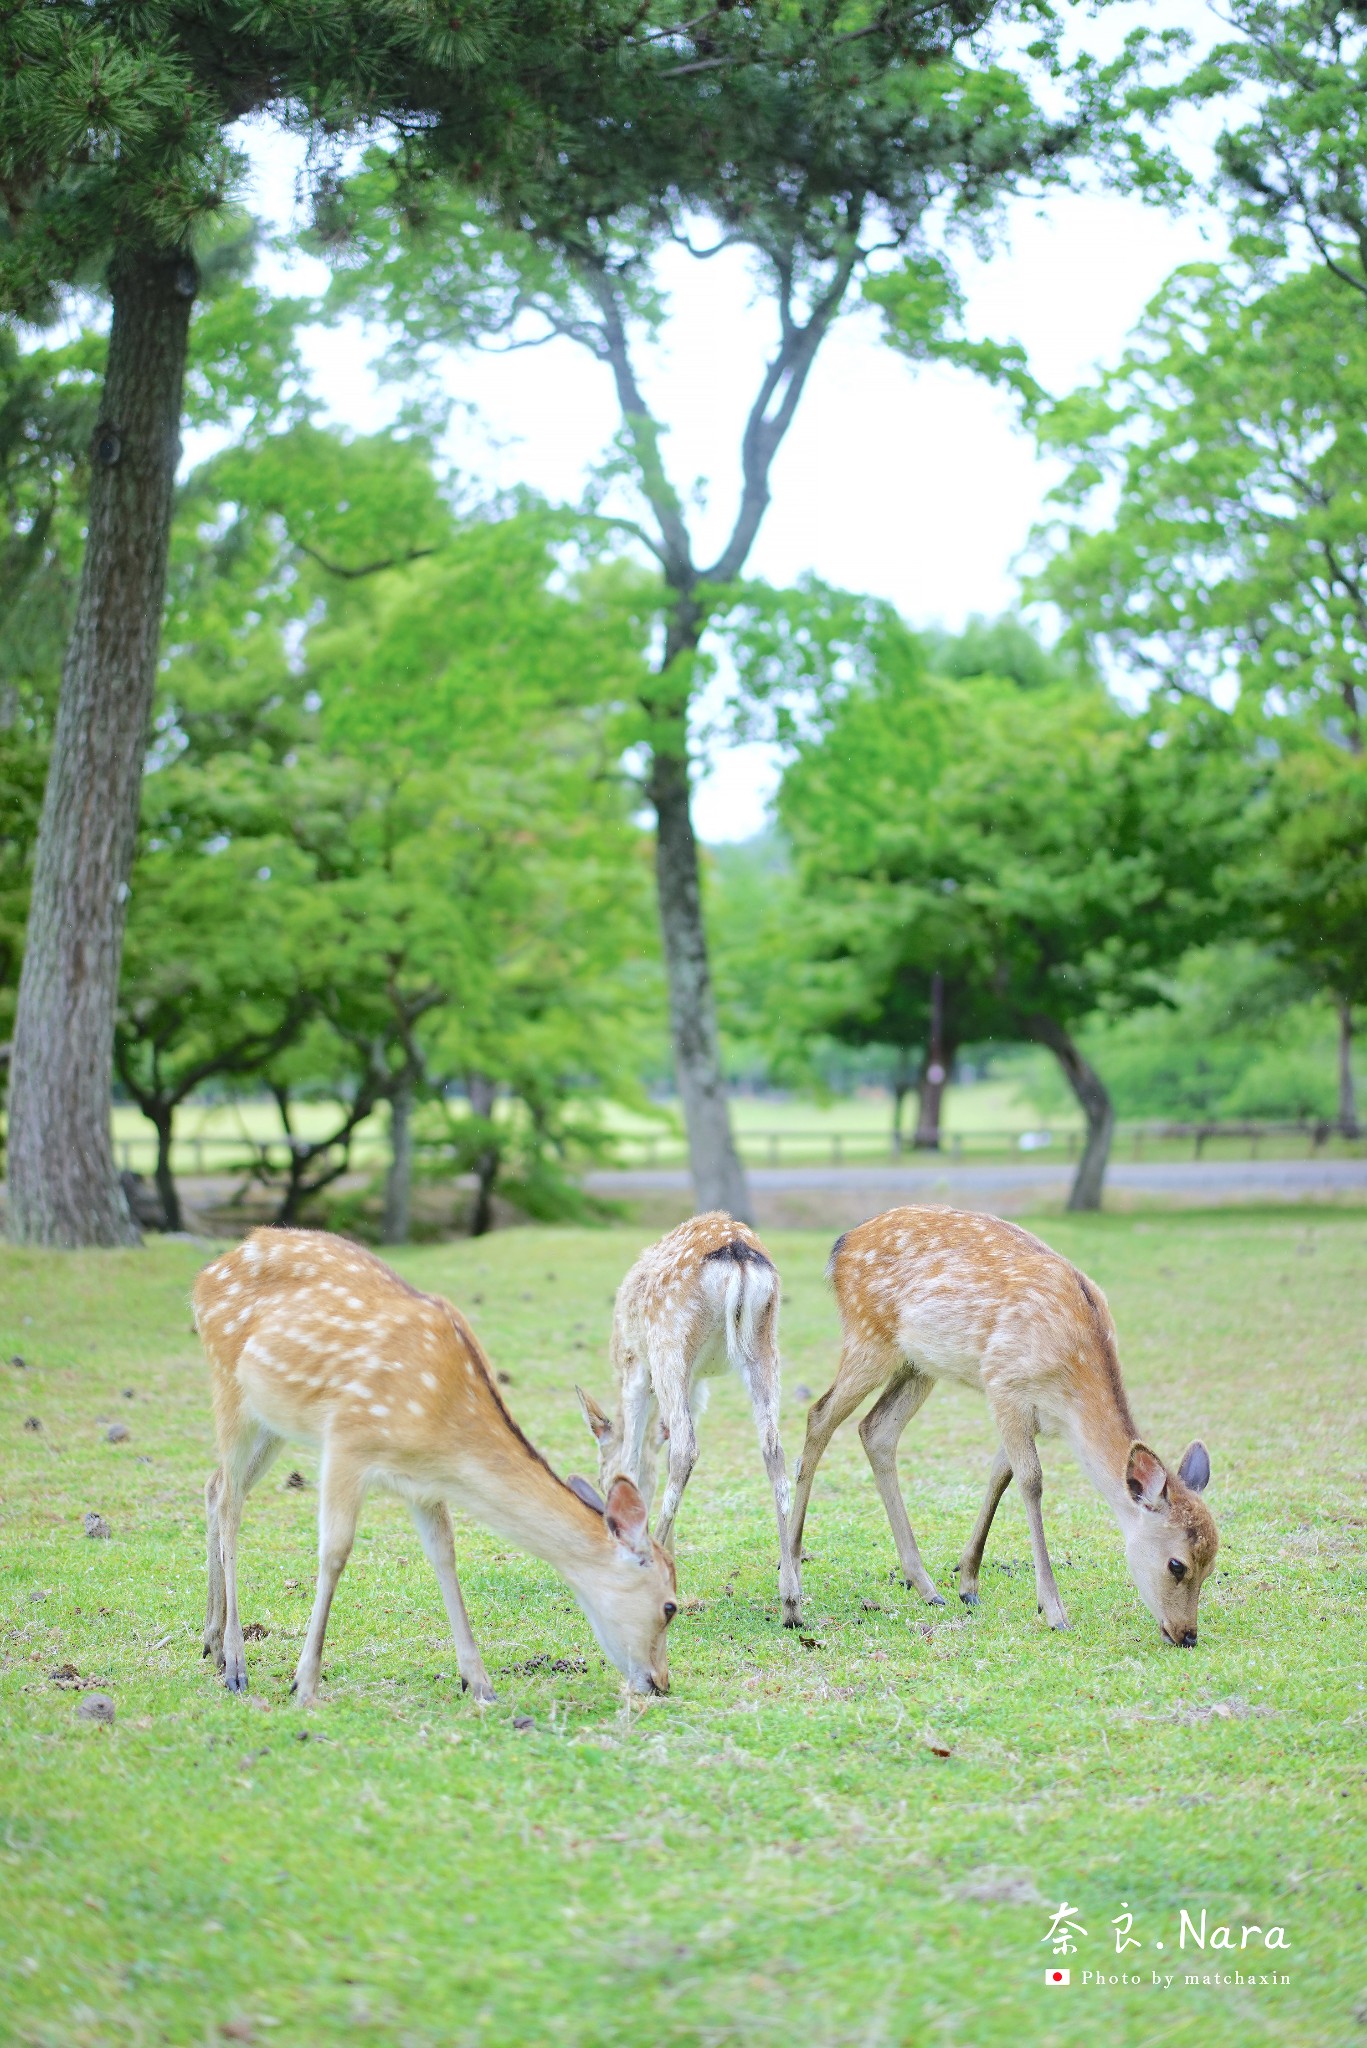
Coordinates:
(1090,1090)
(63,1189)
(163,1118)
(899,1096)
(398,1187)
(718,1177)
(1348,1108)
(934,1072)
(483,1094)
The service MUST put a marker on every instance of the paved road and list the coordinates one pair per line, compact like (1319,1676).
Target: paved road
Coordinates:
(843,1194)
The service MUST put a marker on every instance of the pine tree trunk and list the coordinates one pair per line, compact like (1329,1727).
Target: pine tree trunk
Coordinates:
(168,1192)
(718,1177)
(63,1189)
(398,1187)
(1348,1108)
(1090,1090)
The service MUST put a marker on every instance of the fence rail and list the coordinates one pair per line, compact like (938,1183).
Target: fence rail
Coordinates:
(207,1156)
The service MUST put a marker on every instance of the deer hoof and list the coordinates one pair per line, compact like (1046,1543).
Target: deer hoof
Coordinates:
(969,1599)
(936,1600)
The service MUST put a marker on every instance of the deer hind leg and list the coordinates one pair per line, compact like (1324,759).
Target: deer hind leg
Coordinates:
(880,1432)
(216,1611)
(433,1525)
(243,1465)
(638,1448)
(861,1370)
(341,1488)
(1018,1441)
(970,1564)
(762,1384)
(670,1377)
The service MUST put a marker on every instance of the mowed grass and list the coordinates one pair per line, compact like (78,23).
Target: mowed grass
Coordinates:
(776,1852)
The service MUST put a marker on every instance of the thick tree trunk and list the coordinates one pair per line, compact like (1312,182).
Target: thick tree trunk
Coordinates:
(63,1189)
(718,1177)
(163,1120)
(1090,1090)
(398,1186)
(1348,1108)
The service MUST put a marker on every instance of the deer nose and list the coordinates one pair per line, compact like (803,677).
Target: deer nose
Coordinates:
(1189,1639)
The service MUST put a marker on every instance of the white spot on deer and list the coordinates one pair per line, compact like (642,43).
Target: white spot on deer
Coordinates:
(415,1407)
(379,1408)
(429,1379)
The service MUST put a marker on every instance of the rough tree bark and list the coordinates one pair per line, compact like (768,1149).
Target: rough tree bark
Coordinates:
(63,1188)
(1348,1108)
(1090,1090)
(398,1186)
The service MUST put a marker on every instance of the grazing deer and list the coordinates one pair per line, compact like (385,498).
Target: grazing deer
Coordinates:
(704,1297)
(930,1293)
(311,1337)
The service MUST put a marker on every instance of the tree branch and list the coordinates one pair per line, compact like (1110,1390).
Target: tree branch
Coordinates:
(366,568)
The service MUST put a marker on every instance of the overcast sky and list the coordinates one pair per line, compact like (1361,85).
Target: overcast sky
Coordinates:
(914,484)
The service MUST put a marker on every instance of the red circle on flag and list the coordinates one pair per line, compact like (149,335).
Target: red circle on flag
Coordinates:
(1057,1976)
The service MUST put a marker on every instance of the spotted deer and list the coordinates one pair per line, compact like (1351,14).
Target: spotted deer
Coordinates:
(931,1293)
(309,1337)
(705,1297)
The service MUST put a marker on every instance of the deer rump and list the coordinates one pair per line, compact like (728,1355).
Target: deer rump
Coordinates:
(741,1286)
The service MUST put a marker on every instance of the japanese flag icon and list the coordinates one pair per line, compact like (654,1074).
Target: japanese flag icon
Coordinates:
(1058,1977)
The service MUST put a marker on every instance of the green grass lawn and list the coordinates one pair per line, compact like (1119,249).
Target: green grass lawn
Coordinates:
(775,1853)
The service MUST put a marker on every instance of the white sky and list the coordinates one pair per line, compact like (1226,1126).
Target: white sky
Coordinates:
(913,484)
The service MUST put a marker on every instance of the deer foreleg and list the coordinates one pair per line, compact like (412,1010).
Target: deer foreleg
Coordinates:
(433,1525)
(970,1564)
(241,1469)
(1018,1442)
(341,1487)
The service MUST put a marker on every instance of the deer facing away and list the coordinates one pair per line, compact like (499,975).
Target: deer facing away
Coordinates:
(705,1297)
(932,1293)
(309,1337)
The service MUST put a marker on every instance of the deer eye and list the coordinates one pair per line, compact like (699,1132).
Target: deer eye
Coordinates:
(670,1610)
(1177,1568)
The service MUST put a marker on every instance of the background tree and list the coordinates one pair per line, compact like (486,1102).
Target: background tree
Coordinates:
(821,143)
(114,162)
(1226,447)
(1235,550)
(1294,159)
(386,843)
(1049,853)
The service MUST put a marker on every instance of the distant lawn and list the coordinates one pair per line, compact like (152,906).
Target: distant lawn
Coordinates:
(995,1106)
(775,1854)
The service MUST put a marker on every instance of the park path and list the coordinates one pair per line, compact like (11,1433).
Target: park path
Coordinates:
(841,1195)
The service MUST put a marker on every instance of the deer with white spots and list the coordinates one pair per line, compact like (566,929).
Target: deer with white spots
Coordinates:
(705,1297)
(931,1293)
(311,1338)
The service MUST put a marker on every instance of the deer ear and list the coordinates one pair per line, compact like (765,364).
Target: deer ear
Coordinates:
(1194,1470)
(1146,1476)
(625,1515)
(600,1425)
(588,1494)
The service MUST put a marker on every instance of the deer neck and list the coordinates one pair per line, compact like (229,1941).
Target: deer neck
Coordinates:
(512,1489)
(1103,1431)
